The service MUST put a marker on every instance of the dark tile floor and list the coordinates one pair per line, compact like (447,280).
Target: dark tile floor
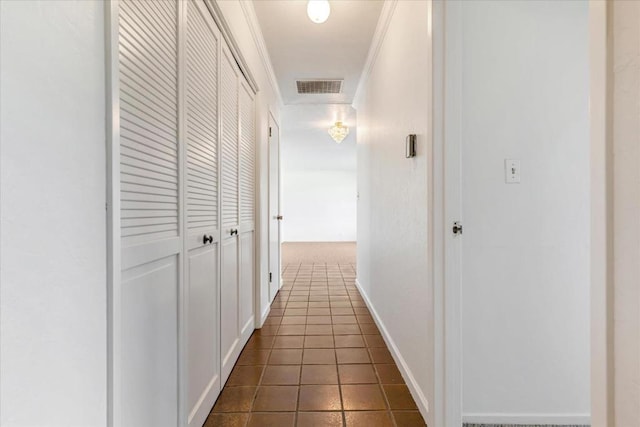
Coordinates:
(318,361)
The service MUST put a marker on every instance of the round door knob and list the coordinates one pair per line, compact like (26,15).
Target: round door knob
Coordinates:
(234,231)
(279,217)
(207,239)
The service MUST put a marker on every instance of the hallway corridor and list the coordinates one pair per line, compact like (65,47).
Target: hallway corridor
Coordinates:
(318,361)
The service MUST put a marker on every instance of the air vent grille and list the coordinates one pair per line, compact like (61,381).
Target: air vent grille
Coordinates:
(319,86)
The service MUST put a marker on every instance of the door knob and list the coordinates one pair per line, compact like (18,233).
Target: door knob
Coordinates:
(457,228)
(279,217)
(207,239)
(234,231)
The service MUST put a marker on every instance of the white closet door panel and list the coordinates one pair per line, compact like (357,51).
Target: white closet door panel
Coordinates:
(146,383)
(229,318)
(247,157)
(201,216)
(202,123)
(247,263)
(229,105)
(204,380)
(149,340)
(149,121)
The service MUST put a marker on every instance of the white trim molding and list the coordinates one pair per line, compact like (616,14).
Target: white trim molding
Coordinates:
(416,391)
(249,12)
(528,419)
(376,42)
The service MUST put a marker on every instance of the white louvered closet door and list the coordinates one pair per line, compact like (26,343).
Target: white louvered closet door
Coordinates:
(202,286)
(230,319)
(145,346)
(247,178)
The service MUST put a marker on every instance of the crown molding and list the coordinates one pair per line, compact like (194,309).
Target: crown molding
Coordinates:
(376,42)
(256,32)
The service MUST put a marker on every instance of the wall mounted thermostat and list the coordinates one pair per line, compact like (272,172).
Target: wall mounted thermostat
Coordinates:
(512,171)
(411,146)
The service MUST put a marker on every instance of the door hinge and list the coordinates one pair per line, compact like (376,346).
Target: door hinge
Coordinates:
(270,277)
(457,228)
(269,131)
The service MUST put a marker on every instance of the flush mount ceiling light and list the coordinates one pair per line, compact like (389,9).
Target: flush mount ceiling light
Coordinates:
(318,10)
(338,132)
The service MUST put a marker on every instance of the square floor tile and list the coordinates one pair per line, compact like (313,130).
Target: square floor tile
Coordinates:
(259,342)
(341,311)
(276,399)
(288,341)
(409,419)
(342,320)
(285,357)
(319,330)
(320,419)
(375,341)
(318,304)
(352,355)
(381,355)
(369,419)
(349,341)
(399,397)
(319,374)
(275,419)
(281,375)
(254,357)
(294,320)
(318,341)
(364,318)
(346,329)
(362,397)
(295,312)
(227,420)
(357,374)
(235,399)
(318,356)
(389,374)
(319,398)
(291,330)
(318,320)
(245,375)
(319,312)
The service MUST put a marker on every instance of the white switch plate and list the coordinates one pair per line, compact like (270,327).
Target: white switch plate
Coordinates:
(512,171)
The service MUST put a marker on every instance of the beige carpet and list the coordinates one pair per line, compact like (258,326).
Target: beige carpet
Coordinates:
(318,253)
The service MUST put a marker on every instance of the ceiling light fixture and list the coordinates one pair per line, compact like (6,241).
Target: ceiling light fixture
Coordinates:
(318,10)
(338,132)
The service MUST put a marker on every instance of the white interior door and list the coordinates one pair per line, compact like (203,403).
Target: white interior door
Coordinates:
(275,216)
(202,228)
(145,347)
(247,176)
(230,316)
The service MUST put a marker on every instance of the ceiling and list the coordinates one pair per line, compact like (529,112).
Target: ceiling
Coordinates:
(301,49)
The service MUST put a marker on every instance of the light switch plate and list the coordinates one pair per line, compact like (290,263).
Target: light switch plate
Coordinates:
(512,171)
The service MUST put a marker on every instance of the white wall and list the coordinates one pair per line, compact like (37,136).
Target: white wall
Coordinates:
(525,248)
(318,176)
(241,20)
(53,331)
(393,214)
(625,86)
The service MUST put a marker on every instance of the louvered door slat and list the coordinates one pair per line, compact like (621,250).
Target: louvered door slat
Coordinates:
(229,103)
(149,133)
(201,123)
(247,156)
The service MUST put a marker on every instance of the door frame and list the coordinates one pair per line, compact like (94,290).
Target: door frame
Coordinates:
(272,120)
(446,205)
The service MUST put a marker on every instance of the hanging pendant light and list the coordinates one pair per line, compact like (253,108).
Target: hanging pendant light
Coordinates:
(318,10)
(338,132)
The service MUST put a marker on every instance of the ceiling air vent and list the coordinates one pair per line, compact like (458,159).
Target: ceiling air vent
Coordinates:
(319,86)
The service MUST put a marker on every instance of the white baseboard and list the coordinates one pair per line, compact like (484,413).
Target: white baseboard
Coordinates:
(416,391)
(264,315)
(528,419)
